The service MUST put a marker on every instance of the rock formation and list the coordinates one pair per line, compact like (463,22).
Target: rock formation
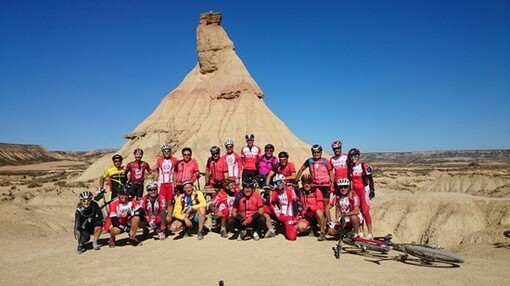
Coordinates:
(217,100)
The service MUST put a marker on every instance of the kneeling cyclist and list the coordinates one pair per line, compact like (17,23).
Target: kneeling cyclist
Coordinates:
(247,212)
(124,216)
(189,210)
(88,220)
(347,208)
(154,207)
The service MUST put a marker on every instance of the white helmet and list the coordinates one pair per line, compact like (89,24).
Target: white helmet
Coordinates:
(151,185)
(166,147)
(86,195)
(229,142)
(278,178)
(343,182)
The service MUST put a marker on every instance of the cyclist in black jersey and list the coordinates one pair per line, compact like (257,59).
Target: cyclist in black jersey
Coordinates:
(88,219)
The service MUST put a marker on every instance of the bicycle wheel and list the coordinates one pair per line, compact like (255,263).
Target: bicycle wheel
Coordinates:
(432,254)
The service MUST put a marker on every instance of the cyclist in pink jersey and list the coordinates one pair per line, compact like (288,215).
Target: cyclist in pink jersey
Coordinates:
(163,174)
(249,157)
(154,207)
(231,162)
(347,208)
(136,171)
(214,174)
(186,169)
(320,169)
(266,163)
(124,216)
(338,162)
(283,167)
(360,175)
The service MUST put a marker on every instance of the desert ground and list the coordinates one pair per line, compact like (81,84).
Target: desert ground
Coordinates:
(460,205)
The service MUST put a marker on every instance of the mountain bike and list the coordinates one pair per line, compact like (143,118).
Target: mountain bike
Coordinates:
(426,254)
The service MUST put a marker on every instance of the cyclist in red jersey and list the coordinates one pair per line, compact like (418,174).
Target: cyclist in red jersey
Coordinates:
(283,206)
(214,168)
(249,157)
(223,204)
(347,205)
(266,163)
(248,211)
(186,169)
(124,216)
(311,208)
(163,174)
(283,167)
(231,162)
(360,175)
(320,170)
(338,162)
(136,171)
(116,176)
(154,207)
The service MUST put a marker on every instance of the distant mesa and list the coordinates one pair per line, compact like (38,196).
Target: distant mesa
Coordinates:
(217,100)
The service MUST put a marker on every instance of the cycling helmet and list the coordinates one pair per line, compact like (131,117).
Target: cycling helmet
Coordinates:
(306,178)
(354,152)
(185,182)
(278,179)
(336,144)
(283,154)
(151,185)
(86,195)
(249,136)
(116,157)
(215,150)
(249,183)
(316,148)
(229,142)
(269,146)
(125,190)
(166,147)
(138,151)
(343,182)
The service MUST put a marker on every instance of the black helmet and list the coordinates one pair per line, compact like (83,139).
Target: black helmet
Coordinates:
(354,152)
(269,146)
(125,190)
(117,157)
(316,148)
(283,154)
(215,150)
(249,136)
(249,183)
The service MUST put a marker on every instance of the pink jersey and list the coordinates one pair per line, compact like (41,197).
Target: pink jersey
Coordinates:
(165,168)
(339,164)
(319,170)
(137,171)
(186,171)
(232,164)
(345,203)
(250,157)
(357,175)
(266,164)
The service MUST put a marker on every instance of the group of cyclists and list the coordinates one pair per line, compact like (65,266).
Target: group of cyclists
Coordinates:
(253,193)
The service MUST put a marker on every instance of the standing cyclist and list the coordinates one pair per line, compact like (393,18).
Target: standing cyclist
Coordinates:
(136,170)
(115,175)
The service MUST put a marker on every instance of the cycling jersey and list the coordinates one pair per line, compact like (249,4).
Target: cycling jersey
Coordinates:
(223,203)
(250,155)
(88,218)
(247,206)
(154,210)
(232,164)
(310,201)
(266,164)
(339,164)
(186,170)
(137,170)
(116,178)
(196,200)
(283,202)
(360,175)
(216,170)
(121,212)
(285,170)
(319,170)
(165,167)
(345,203)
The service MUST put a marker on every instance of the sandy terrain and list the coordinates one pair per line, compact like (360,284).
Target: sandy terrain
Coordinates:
(39,248)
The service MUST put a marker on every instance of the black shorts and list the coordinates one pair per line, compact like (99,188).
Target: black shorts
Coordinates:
(249,174)
(136,189)
(325,191)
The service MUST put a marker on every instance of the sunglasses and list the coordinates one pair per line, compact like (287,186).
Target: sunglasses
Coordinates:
(150,190)
(316,152)
(343,187)
(187,154)
(86,200)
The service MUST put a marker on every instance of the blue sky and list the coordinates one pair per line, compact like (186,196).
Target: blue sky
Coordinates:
(379,75)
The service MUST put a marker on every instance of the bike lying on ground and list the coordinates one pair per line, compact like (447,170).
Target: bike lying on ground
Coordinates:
(425,253)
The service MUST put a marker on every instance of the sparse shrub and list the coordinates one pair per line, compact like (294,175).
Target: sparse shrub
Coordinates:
(34,185)
(61,184)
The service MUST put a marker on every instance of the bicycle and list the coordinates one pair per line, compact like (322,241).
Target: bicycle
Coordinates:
(425,253)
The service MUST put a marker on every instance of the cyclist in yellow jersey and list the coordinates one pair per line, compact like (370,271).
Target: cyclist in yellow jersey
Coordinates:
(115,175)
